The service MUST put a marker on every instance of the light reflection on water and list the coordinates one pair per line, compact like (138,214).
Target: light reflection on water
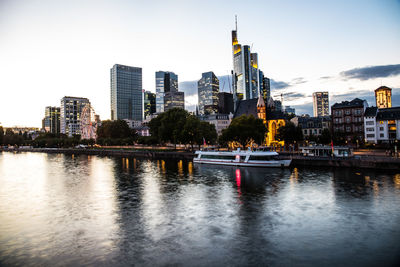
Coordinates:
(66,210)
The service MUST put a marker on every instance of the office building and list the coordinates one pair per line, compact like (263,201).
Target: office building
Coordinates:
(126,93)
(51,121)
(225,103)
(208,88)
(245,74)
(149,103)
(348,119)
(321,104)
(70,114)
(278,105)
(165,82)
(266,89)
(174,100)
(383,96)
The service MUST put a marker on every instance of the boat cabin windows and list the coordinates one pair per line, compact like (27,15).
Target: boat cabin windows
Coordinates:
(218,157)
(263,158)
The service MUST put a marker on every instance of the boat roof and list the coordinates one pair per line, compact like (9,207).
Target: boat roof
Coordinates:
(236,152)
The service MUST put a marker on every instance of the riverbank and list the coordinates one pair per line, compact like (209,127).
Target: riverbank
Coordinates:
(363,162)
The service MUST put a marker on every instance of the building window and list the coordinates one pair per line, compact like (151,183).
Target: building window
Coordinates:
(381,128)
(382,135)
(348,129)
(370,123)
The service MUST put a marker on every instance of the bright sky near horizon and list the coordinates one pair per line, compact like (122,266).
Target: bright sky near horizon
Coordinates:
(50,49)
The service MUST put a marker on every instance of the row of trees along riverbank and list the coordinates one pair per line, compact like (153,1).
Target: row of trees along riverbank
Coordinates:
(175,126)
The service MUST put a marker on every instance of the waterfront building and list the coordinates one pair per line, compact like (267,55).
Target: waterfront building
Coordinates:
(312,126)
(321,104)
(149,103)
(126,93)
(382,125)
(208,88)
(383,96)
(220,121)
(166,81)
(70,114)
(51,121)
(290,110)
(245,74)
(225,103)
(348,119)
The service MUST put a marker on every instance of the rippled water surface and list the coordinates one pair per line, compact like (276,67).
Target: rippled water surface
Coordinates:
(58,210)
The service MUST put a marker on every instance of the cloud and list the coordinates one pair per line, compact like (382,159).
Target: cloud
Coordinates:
(299,80)
(277,85)
(371,72)
(325,77)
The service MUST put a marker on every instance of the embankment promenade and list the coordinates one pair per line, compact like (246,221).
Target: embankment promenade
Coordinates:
(358,161)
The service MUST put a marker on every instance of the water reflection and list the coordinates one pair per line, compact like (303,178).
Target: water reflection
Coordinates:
(88,210)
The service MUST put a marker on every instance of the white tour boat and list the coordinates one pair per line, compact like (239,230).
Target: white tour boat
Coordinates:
(241,158)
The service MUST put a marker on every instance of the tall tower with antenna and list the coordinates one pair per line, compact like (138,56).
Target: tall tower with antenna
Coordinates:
(245,73)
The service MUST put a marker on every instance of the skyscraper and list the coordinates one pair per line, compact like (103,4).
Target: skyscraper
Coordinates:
(246,84)
(266,88)
(321,104)
(383,96)
(51,121)
(70,112)
(165,82)
(174,100)
(149,103)
(208,88)
(126,93)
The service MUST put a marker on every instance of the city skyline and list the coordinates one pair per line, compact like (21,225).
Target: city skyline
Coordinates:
(67,49)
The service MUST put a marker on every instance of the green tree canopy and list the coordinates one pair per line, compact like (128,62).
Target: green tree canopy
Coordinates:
(244,130)
(178,126)
(289,133)
(115,129)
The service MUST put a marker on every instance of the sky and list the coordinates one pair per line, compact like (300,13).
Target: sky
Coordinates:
(50,49)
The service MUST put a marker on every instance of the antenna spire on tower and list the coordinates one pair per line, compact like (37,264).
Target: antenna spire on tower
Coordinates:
(236,22)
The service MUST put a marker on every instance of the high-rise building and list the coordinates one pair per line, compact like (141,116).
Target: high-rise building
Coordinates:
(208,88)
(321,104)
(245,76)
(51,121)
(174,100)
(266,88)
(225,103)
(149,103)
(126,93)
(165,82)
(70,112)
(278,105)
(290,110)
(383,96)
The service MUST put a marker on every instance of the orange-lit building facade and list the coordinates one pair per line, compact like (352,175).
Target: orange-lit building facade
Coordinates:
(383,96)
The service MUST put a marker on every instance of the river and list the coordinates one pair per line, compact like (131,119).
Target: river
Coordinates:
(63,210)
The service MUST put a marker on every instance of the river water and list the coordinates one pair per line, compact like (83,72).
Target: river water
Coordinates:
(58,210)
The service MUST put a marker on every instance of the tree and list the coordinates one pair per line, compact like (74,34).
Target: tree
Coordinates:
(289,133)
(244,130)
(168,126)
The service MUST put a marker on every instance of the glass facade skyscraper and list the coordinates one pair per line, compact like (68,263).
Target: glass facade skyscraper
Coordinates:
(165,82)
(149,103)
(246,78)
(126,93)
(208,88)
(174,100)
(51,121)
